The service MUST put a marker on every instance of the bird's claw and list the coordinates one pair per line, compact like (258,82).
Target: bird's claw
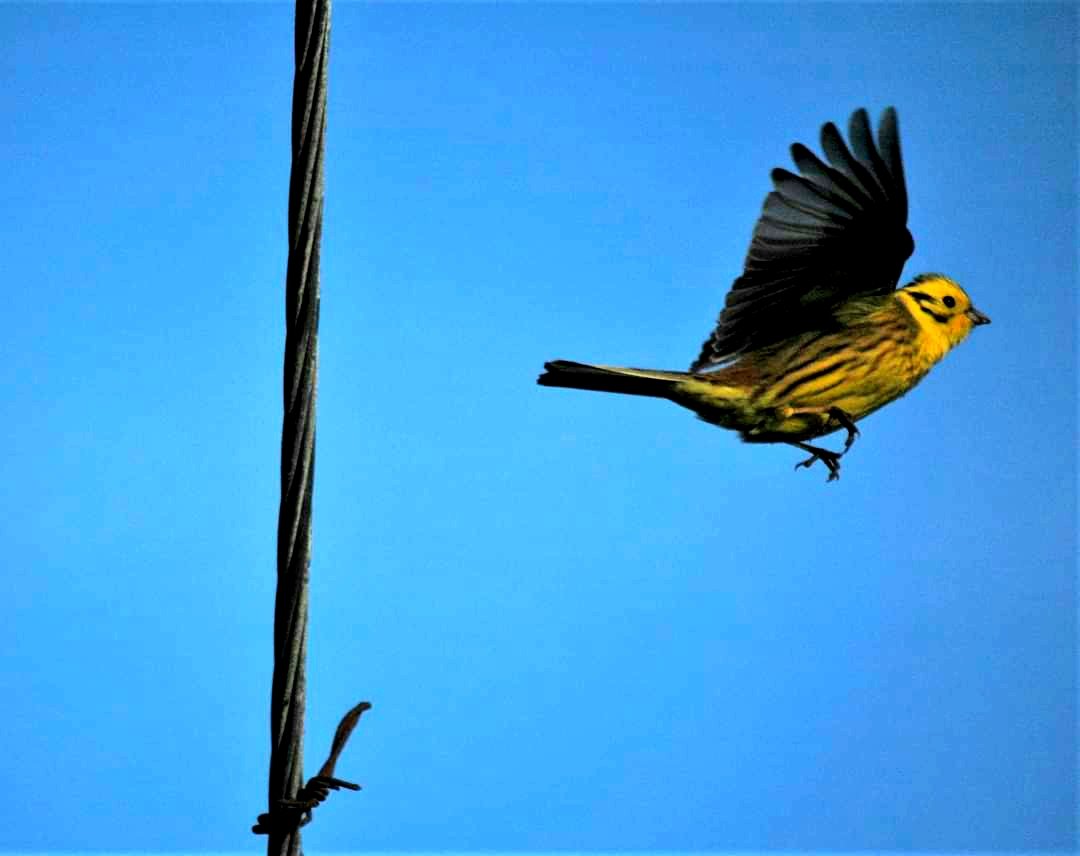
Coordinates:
(829,459)
(850,440)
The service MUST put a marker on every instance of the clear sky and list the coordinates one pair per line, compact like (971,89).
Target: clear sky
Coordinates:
(584,621)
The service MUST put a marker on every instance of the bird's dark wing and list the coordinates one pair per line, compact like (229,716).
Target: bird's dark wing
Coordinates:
(836,230)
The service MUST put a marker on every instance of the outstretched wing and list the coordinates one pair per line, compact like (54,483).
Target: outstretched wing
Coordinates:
(837,230)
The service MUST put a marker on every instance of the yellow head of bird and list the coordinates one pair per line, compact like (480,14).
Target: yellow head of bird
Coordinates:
(939,304)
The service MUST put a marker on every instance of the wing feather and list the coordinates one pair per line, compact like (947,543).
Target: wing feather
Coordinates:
(835,230)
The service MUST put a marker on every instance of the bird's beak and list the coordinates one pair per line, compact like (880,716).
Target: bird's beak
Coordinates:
(977,317)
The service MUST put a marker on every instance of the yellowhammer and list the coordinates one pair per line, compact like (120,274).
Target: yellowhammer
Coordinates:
(814,335)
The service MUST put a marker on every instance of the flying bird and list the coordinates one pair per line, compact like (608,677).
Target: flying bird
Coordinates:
(814,334)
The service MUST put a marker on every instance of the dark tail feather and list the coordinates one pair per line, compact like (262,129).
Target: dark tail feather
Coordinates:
(570,375)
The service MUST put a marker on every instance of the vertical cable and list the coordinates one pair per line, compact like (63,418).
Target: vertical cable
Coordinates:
(287,703)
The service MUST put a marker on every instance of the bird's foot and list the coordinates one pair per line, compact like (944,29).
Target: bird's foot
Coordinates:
(830,459)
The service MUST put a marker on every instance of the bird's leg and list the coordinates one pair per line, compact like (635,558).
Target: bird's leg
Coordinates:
(847,423)
(839,415)
(829,459)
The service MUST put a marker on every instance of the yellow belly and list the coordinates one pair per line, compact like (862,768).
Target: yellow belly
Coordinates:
(793,403)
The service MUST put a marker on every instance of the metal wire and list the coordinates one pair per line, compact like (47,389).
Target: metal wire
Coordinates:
(287,703)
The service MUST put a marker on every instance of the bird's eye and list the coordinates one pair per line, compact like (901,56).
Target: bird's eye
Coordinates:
(949,301)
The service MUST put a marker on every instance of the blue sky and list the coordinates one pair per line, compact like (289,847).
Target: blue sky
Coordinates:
(584,621)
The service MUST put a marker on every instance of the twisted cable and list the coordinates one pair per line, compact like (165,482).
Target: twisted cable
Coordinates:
(312,50)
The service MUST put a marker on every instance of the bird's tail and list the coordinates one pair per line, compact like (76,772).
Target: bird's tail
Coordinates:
(627,381)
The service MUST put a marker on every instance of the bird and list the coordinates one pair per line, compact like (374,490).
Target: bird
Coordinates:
(815,333)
